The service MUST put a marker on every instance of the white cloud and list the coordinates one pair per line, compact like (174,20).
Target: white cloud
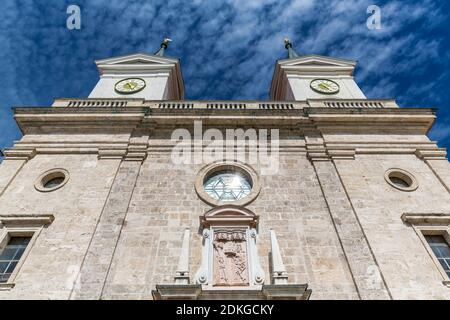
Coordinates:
(228,48)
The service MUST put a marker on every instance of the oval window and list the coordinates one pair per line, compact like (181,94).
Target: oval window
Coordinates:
(51,180)
(401,179)
(54,182)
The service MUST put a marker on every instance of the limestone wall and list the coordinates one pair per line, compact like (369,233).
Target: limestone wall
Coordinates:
(164,203)
(143,214)
(404,262)
(50,269)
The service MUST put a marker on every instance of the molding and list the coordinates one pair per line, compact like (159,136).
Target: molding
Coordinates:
(364,121)
(316,149)
(136,152)
(264,292)
(6,286)
(177,292)
(111,153)
(136,58)
(318,155)
(341,154)
(19,154)
(432,154)
(28,220)
(229,214)
(319,150)
(287,292)
(427,218)
(124,119)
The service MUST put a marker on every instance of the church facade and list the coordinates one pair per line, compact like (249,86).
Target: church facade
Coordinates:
(136,193)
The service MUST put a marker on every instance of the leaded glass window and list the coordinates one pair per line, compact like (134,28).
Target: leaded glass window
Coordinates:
(441,250)
(10,256)
(227,186)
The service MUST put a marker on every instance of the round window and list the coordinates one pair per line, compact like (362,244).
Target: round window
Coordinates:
(401,179)
(51,180)
(227,183)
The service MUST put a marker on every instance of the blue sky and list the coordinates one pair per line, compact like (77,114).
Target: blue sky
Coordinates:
(227,48)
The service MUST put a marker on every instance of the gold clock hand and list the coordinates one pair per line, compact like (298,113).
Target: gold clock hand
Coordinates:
(324,86)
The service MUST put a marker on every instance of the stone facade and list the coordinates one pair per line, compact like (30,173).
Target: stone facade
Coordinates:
(119,222)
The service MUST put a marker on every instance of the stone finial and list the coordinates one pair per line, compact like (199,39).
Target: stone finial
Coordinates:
(182,275)
(164,45)
(279,275)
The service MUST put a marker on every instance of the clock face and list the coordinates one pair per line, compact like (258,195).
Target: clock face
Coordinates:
(325,86)
(130,85)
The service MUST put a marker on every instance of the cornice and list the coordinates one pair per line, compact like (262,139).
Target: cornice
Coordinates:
(427,218)
(385,120)
(432,154)
(318,58)
(326,118)
(24,219)
(144,57)
(19,154)
(95,116)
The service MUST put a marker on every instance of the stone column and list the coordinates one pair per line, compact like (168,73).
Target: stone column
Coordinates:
(95,267)
(362,264)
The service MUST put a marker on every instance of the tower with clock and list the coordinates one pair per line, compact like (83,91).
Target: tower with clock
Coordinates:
(95,204)
(313,77)
(145,76)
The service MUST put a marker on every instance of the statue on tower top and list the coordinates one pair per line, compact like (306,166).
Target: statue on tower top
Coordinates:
(291,51)
(164,45)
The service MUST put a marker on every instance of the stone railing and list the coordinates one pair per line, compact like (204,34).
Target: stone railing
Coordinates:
(366,104)
(226,105)
(98,103)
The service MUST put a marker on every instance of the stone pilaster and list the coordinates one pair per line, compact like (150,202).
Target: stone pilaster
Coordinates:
(363,266)
(11,165)
(438,163)
(8,170)
(96,264)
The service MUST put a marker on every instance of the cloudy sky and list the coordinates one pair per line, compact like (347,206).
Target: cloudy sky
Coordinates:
(227,48)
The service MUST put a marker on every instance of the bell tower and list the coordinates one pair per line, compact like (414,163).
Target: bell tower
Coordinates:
(303,77)
(144,76)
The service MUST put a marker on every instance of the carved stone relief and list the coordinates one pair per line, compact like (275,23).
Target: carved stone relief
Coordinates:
(230,258)
(229,253)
